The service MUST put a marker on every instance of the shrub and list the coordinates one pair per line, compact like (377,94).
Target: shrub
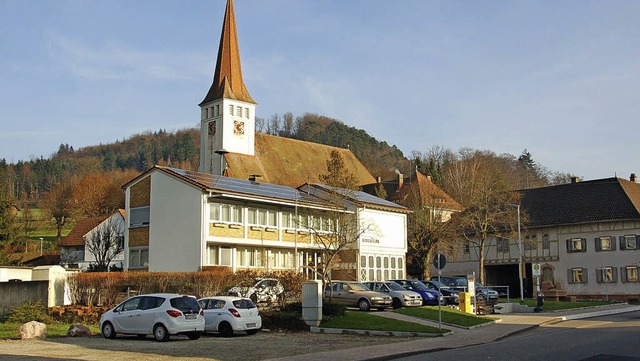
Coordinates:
(283,321)
(29,311)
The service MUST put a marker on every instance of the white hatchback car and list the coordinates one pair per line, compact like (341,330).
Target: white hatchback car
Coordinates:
(160,315)
(229,314)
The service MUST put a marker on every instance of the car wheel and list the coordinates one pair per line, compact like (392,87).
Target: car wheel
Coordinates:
(363,304)
(194,335)
(108,331)
(160,333)
(225,329)
(396,303)
(252,332)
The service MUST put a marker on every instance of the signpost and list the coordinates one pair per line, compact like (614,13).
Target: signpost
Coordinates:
(439,261)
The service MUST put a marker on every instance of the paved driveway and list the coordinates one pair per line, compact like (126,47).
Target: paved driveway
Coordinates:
(264,345)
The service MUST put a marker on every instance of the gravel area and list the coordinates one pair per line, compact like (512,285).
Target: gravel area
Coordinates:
(264,345)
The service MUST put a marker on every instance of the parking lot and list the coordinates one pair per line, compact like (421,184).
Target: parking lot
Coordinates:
(264,345)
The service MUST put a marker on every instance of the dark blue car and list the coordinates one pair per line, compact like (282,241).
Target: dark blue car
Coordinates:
(429,297)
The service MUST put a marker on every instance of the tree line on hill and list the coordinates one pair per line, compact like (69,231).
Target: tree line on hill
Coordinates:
(86,182)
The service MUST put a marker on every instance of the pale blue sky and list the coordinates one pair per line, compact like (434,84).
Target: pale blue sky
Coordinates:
(559,78)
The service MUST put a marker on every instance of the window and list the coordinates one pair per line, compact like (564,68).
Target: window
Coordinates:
(229,213)
(230,109)
(248,257)
(466,248)
(217,109)
(531,243)
(139,258)
(246,113)
(605,244)
(503,245)
(139,217)
(219,256)
(606,274)
(239,111)
(576,245)
(262,217)
(281,259)
(577,275)
(629,273)
(628,242)
(546,243)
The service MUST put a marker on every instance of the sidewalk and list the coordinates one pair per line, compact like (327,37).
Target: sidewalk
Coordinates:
(506,325)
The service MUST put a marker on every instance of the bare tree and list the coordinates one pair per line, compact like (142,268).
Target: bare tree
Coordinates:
(106,242)
(58,204)
(428,226)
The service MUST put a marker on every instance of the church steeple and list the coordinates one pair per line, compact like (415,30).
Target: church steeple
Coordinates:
(227,120)
(227,78)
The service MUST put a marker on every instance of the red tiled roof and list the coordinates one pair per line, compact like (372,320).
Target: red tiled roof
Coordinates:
(75,237)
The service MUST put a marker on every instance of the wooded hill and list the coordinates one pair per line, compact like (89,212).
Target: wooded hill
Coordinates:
(31,179)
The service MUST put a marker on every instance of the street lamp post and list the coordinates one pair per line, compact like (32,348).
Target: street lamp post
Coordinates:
(520,257)
(41,244)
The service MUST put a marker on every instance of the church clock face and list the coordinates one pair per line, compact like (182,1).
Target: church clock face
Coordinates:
(238,127)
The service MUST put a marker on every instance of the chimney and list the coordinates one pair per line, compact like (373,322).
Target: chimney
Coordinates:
(633,178)
(400,180)
(575,180)
(254,177)
(379,180)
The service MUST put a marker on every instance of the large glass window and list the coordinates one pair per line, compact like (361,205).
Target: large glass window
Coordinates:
(138,258)
(219,256)
(222,212)
(265,217)
(248,257)
(139,217)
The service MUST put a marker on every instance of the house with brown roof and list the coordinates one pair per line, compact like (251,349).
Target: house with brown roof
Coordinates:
(74,250)
(583,238)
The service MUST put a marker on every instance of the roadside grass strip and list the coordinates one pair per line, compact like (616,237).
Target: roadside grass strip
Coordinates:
(449,316)
(9,330)
(357,320)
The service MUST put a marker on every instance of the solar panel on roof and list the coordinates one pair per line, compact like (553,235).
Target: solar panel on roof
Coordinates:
(360,196)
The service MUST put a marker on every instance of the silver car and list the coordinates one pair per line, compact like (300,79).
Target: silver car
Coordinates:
(401,297)
(355,294)
(159,314)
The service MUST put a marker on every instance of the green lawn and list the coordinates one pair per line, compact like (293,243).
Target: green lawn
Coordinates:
(357,320)
(564,305)
(10,330)
(449,315)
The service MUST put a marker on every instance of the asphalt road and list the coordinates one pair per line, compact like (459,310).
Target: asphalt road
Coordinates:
(606,338)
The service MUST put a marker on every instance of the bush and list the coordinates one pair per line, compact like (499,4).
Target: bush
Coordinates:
(333,310)
(284,321)
(30,311)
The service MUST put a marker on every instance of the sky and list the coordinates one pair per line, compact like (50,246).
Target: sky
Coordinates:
(558,78)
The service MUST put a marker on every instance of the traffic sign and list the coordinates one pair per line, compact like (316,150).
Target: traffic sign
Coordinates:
(439,261)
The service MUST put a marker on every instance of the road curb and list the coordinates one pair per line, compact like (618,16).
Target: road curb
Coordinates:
(347,331)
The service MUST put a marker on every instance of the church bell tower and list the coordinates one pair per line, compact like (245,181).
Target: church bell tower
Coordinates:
(227,113)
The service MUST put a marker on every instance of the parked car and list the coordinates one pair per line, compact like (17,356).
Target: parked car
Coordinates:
(264,290)
(451,296)
(429,297)
(160,315)
(229,314)
(460,283)
(399,295)
(355,294)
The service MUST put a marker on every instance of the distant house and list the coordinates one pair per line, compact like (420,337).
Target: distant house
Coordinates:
(73,247)
(584,236)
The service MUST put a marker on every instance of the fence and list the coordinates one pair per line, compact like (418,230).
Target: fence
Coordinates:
(17,293)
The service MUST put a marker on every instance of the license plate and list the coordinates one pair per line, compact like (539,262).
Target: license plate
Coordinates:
(249,325)
(191,317)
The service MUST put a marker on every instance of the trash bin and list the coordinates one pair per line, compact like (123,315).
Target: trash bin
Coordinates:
(465,302)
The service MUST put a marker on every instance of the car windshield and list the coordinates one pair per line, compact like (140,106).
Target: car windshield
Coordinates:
(439,284)
(394,286)
(358,287)
(418,285)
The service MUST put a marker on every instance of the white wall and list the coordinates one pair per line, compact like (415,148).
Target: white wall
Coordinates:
(10,273)
(89,257)
(175,225)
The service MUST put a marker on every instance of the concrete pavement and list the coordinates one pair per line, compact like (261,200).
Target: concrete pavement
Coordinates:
(505,325)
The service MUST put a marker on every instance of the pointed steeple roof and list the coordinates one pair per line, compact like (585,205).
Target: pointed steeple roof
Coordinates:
(227,79)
